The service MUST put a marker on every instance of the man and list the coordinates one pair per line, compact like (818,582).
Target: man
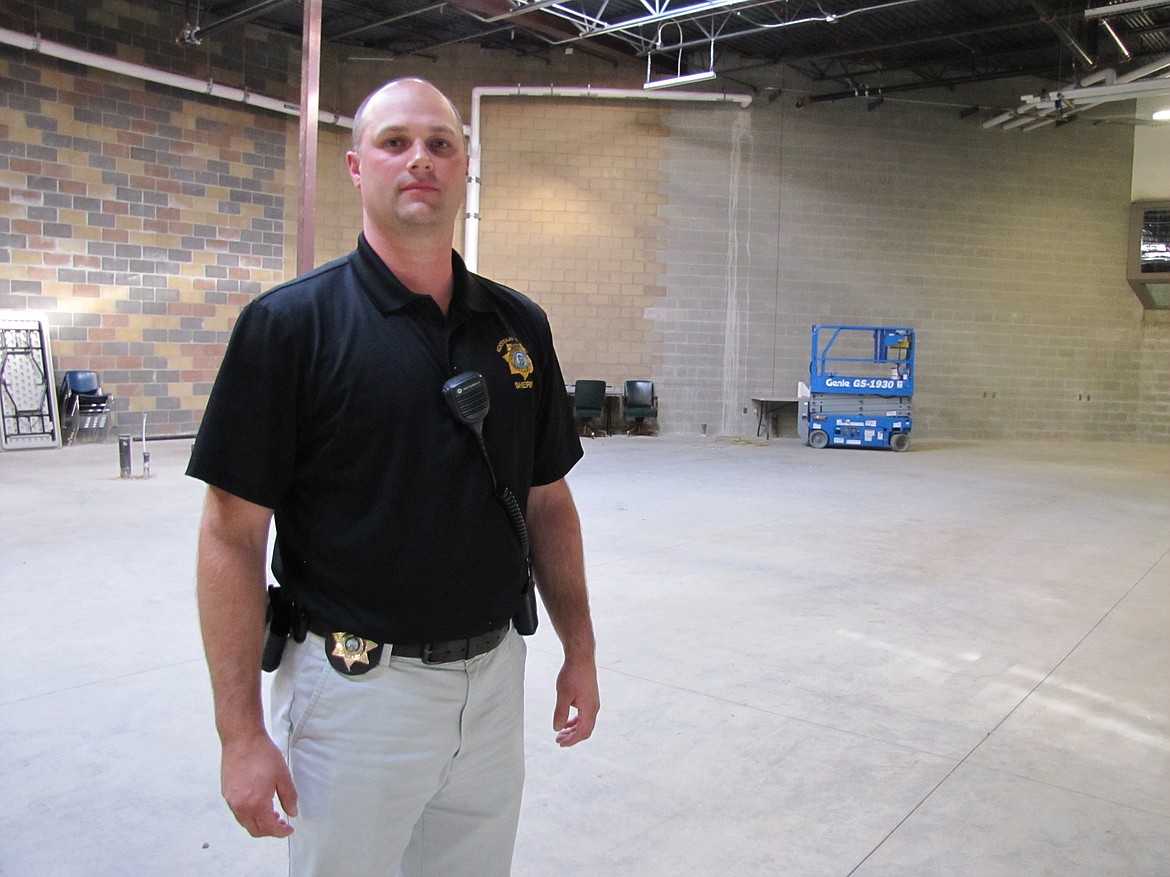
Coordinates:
(398,703)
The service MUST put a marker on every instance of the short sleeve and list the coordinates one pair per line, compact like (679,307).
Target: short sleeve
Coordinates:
(246,441)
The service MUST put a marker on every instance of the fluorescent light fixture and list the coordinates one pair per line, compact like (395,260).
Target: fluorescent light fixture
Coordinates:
(1122,8)
(689,79)
(1162,115)
(1109,30)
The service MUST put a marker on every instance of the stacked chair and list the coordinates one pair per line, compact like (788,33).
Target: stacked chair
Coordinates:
(85,410)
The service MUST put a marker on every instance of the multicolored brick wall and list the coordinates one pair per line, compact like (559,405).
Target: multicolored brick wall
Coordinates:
(139,222)
(137,218)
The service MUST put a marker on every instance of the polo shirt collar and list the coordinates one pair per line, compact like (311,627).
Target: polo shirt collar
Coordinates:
(389,294)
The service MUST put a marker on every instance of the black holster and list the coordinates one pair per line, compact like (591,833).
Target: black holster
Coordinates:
(285,619)
(525,620)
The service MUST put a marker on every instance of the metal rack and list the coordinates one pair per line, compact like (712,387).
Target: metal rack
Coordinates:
(27,403)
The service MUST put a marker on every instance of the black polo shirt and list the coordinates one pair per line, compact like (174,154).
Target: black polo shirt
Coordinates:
(328,409)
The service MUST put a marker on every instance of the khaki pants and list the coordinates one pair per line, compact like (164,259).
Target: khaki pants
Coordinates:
(410,768)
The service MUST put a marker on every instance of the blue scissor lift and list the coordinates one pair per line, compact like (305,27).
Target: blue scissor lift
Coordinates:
(861,380)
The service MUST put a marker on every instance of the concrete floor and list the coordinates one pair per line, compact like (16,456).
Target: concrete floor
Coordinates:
(952,661)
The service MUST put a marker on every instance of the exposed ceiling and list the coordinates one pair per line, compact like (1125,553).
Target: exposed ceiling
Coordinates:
(850,47)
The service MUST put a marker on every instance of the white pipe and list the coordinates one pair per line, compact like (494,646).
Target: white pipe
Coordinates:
(1119,91)
(1113,82)
(471,219)
(1132,76)
(1108,77)
(137,71)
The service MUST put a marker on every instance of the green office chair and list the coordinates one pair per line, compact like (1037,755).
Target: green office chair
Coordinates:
(640,404)
(588,405)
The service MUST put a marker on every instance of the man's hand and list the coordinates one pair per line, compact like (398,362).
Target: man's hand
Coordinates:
(576,688)
(252,771)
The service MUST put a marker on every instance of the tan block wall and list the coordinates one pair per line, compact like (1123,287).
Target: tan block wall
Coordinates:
(339,213)
(345,83)
(568,224)
(569,216)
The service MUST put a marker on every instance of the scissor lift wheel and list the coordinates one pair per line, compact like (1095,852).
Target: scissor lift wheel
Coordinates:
(899,441)
(818,439)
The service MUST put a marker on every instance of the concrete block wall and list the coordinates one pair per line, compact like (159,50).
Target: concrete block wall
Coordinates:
(1006,254)
(345,84)
(692,244)
(140,223)
(719,246)
(569,215)
(1153,400)
(138,219)
(338,219)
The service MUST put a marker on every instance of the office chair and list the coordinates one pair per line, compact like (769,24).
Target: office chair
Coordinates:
(640,403)
(588,405)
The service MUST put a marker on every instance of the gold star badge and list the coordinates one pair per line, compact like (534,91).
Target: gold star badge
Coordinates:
(352,654)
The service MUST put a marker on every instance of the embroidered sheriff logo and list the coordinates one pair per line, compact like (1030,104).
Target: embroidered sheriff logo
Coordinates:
(518,360)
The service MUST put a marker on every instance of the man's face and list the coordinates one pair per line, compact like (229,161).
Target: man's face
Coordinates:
(411,163)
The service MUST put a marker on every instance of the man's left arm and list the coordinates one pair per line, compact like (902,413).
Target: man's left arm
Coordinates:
(558,561)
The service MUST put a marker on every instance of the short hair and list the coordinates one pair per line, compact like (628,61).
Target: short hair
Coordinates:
(359,116)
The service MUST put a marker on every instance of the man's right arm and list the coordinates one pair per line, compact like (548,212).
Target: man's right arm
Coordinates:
(232,595)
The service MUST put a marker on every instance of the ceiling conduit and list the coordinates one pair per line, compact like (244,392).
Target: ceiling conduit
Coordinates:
(471,221)
(708,9)
(1063,34)
(1091,91)
(137,71)
(193,34)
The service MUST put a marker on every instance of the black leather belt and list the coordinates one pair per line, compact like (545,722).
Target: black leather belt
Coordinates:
(352,654)
(454,649)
